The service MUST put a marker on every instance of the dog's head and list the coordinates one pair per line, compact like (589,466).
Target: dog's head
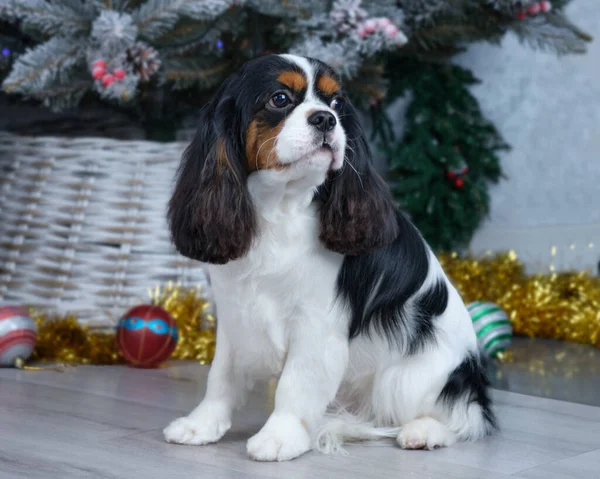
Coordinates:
(288,117)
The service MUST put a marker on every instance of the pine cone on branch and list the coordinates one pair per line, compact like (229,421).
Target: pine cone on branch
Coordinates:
(143,60)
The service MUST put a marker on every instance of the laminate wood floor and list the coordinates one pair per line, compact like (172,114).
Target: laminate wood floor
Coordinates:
(106,422)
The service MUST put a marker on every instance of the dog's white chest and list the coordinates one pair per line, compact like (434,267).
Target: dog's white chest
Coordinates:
(286,281)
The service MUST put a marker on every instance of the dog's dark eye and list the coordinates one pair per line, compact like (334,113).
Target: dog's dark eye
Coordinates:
(337,103)
(280,100)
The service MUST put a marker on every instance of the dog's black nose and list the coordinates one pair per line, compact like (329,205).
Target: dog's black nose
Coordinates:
(322,120)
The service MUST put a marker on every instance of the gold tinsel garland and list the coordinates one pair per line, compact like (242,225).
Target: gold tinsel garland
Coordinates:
(64,340)
(557,305)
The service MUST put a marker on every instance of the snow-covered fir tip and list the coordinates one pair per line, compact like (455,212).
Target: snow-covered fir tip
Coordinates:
(121,91)
(510,5)
(205,9)
(287,8)
(347,15)
(424,12)
(42,67)
(113,30)
(345,36)
(8,12)
(387,8)
(342,56)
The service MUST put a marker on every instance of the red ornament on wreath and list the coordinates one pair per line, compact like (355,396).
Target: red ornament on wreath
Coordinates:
(147,336)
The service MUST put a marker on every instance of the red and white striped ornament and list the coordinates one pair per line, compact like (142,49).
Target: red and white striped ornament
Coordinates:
(17,335)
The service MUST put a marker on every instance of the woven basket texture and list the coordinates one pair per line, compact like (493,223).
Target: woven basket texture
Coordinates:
(83,225)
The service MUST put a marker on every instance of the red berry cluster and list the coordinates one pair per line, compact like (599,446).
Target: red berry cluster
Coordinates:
(534,9)
(371,25)
(99,73)
(456,177)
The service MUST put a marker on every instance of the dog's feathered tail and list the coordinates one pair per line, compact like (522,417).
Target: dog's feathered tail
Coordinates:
(342,426)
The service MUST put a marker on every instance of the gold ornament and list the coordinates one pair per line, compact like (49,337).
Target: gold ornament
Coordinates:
(61,339)
(556,305)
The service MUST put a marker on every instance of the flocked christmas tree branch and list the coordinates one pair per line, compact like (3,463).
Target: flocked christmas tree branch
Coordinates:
(165,57)
(343,33)
(42,66)
(441,165)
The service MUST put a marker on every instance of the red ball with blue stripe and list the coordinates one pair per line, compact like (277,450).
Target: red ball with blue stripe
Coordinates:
(17,335)
(147,336)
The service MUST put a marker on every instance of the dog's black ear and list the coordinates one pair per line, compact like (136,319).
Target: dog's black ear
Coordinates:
(357,210)
(211,215)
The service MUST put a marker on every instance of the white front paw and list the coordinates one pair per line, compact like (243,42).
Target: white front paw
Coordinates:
(196,430)
(282,438)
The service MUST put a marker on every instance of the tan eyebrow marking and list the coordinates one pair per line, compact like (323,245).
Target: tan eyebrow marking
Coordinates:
(294,80)
(327,85)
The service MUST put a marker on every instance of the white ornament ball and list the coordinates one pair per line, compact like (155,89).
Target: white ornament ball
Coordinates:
(545,6)
(18,334)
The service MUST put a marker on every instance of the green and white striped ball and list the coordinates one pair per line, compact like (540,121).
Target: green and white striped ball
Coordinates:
(492,327)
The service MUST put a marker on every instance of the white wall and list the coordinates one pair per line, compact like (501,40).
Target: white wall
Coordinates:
(548,109)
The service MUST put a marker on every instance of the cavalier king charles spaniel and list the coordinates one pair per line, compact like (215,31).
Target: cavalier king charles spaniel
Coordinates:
(318,279)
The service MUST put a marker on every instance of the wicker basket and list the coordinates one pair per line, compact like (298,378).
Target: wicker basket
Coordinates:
(82,224)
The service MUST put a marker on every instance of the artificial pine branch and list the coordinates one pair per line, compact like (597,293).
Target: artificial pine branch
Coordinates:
(420,13)
(184,72)
(7,14)
(39,67)
(173,28)
(192,34)
(554,33)
(68,17)
(444,132)
(434,37)
(119,5)
(63,95)
(181,33)
(206,9)
(155,18)
(161,48)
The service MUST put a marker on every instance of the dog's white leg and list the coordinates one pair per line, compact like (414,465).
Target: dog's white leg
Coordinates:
(212,418)
(312,373)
